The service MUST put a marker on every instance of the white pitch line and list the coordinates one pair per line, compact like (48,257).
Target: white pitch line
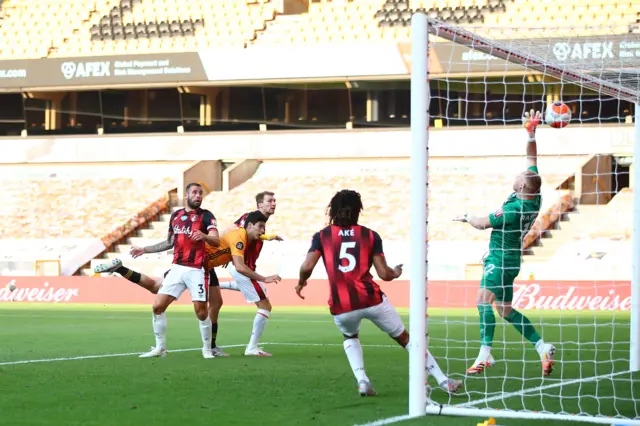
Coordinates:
(75,358)
(541,388)
(387,421)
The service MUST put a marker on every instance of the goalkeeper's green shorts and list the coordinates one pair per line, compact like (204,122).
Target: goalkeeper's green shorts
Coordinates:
(498,278)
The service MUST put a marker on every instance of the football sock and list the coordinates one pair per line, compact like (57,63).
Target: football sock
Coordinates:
(353,349)
(540,347)
(160,330)
(523,325)
(205,331)
(214,334)
(259,322)
(487,324)
(127,273)
(434,369)
(229,285)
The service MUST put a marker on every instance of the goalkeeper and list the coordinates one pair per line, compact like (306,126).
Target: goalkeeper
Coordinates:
(509,224)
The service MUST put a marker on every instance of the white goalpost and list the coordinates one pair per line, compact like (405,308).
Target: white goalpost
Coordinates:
(598,355)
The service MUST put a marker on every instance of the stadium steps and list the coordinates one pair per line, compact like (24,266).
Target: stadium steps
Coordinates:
(280,29)
(573,226)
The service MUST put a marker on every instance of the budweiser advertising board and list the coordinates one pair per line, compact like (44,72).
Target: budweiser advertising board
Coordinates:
(540,295)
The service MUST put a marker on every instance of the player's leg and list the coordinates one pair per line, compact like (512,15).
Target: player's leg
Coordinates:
(230,285)
(521,323)
(215,304)
(490,288)
(148,283)
(197,281)
(173,286)
(349,325)
(255,292)
(259,322)
(386,318)
(159,320)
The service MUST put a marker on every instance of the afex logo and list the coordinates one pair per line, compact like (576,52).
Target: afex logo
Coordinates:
(85,69)
(581,51)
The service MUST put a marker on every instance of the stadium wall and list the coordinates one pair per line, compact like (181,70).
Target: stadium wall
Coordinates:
(369,143)
(536,295)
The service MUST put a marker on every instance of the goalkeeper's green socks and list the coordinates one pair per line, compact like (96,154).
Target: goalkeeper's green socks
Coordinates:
(524,327)
(487,324)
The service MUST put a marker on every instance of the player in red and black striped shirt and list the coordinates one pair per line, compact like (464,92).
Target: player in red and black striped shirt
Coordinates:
(190,228)
(348,251)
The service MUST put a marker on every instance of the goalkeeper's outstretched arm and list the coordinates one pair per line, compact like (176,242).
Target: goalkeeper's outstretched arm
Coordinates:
(531,121)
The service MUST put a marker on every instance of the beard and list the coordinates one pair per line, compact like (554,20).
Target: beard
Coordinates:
(193,204)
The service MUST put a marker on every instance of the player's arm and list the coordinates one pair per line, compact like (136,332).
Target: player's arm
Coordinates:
(213,237)
(159,247)
(384,271)
(477,222)
(310,262)
(271,237)
(241,267)
(237,245)
(531,121)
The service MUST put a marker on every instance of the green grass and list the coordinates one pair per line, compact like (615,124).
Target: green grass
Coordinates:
(307,381)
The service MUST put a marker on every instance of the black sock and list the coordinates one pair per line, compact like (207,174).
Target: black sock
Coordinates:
(127,273)
(214,334)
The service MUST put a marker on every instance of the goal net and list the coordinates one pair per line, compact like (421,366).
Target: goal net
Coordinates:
(576,278)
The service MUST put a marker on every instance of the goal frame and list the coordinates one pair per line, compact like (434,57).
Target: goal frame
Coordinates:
(421,27)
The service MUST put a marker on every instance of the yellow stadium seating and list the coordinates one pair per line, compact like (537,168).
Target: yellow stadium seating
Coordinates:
(36,29)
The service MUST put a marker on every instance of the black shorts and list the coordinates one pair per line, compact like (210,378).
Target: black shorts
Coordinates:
(213,278)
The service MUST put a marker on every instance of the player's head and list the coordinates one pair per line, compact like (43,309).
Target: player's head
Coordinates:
(266,202)
(255,224)
(344,208)
(528,183)
(194,193)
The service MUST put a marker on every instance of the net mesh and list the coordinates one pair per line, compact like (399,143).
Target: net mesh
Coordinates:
(574,279)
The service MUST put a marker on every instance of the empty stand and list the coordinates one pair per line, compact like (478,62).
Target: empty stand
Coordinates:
(76,208)
(152,26)
(457,186)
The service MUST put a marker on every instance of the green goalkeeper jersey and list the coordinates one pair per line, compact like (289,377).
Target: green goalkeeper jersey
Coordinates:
(510,225)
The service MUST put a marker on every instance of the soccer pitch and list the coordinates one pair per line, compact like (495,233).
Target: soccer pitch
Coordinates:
(90,373)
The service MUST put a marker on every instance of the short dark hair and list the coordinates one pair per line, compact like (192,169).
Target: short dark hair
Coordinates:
(260,196)
(344,208)
(254,217)
(191,185)
(533,182)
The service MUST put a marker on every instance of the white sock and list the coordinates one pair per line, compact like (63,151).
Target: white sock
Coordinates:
(434,369)
(485,351)
(160,330)
(205,332)
(259,322)
(229,285)
(540,347)
(353,349)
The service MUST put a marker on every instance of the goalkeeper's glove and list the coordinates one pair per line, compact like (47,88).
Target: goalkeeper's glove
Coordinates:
(531,120)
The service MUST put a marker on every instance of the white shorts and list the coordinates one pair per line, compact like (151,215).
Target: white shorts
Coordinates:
(252,290)
(181,278)
(383,315)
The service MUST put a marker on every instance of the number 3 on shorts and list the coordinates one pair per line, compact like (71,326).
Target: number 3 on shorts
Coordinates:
(201,287)
(344,254)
